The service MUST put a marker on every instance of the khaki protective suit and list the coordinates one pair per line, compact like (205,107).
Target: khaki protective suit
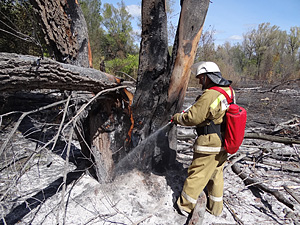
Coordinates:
(209,157)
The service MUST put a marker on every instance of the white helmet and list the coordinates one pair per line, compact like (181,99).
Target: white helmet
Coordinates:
(204,67)
(212,71)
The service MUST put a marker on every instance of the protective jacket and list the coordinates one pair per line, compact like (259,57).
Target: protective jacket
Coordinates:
(209,157)
(210,107)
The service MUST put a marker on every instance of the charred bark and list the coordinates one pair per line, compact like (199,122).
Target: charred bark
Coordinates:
(162,80)
(153,78)
(64,29)
(149,103)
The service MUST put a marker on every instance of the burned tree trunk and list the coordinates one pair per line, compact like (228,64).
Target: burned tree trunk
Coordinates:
(162,80)
(102,127)
(190,27)
(64,29)
(153,73)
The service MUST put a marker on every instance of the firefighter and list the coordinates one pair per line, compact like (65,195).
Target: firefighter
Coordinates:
(206,169)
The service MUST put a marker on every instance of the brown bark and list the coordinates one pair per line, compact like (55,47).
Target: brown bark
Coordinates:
(20,72)
(190,27)
(105,131)
(64,29)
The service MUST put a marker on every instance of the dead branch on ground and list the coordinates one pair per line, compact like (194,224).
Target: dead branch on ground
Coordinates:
(272,138)
(236,218)
(292,193)
(278,85)
(255,183)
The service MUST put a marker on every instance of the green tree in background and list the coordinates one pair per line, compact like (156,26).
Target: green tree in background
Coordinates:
(258,43)
(111,37)
(116,22)
(19,32)
(119,40)
(293,46)
(266,53)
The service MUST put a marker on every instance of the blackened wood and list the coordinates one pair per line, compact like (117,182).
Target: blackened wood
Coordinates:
(153,78)
(162,81)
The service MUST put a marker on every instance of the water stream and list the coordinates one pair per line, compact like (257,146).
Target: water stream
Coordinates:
(142,155)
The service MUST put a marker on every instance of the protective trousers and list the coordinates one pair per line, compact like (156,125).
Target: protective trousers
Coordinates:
(206,170)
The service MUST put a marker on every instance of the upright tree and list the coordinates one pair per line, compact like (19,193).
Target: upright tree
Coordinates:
(293,42)
(163,79)
(257,42)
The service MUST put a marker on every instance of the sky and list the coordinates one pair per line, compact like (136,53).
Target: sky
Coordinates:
(232,18)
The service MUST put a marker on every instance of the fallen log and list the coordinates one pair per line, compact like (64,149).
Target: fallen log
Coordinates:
(290,124)
(280,166)
(24,72)
(281,84)
(255,183)
(267,137)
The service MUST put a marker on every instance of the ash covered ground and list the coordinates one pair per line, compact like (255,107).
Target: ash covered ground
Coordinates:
(147,198)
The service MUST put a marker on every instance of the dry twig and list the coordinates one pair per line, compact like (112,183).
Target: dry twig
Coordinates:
(236,218)
(292,193)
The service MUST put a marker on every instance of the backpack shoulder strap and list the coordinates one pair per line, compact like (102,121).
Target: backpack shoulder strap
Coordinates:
(229,100)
